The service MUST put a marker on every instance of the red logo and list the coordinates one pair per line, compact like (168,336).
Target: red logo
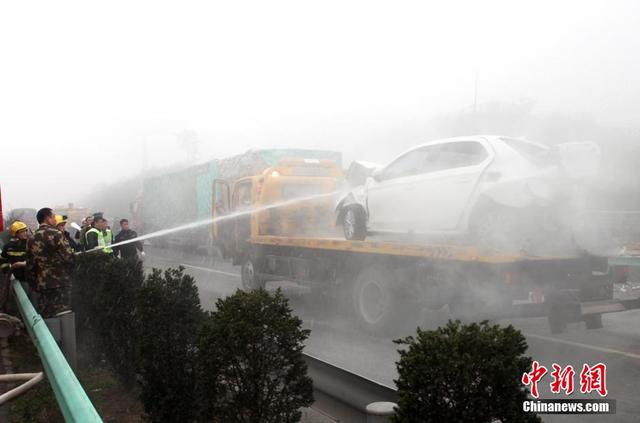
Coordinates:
(532,378)
(592,378)
(562,379)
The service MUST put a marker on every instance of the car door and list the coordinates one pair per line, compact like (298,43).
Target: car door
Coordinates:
(448,185)
(223,229)
(241,202)
(390,193)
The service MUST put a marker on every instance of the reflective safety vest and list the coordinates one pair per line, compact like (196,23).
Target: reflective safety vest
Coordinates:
(104,239)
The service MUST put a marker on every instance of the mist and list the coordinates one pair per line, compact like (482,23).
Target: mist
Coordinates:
(138,109)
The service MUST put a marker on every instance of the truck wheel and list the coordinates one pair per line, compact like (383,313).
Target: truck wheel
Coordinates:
(593,321)
(557,320)
(354,224)
(376,305)
(251,280)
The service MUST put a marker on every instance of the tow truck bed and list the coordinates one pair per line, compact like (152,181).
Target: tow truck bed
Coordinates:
(563,288)
(429,251)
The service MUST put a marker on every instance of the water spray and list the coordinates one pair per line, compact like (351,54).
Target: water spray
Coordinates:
(212,220)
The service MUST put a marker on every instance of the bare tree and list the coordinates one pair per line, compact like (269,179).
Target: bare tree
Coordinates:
(188,141)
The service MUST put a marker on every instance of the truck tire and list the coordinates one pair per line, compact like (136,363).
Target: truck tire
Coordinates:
(377,307)
(354,224)
(564,308)
(250,275)
(557,320)
(593,321)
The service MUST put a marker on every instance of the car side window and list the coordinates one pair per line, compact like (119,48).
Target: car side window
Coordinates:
(221,198)
(412,163)
(460,154)
(242,196)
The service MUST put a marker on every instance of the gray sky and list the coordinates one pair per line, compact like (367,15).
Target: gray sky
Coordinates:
(84,84)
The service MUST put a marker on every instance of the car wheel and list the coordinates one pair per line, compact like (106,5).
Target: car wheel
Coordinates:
(250,277)
(354,224)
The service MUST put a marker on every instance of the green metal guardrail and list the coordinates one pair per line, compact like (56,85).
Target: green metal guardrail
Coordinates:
(72,399)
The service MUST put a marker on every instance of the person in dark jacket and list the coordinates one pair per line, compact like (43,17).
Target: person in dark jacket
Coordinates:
(14,253)
(131,249)
(87,224)
(13,261)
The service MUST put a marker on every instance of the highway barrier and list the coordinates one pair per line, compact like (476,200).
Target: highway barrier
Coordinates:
(71,397)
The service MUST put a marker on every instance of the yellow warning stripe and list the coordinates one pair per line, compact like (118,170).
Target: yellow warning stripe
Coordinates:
(444,252)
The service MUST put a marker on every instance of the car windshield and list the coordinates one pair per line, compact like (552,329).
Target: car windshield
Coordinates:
(411,163)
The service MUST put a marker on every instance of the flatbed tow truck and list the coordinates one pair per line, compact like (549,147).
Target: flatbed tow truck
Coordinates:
(387,284)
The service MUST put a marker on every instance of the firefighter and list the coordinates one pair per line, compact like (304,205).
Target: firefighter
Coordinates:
(61,222)
(49,266)
(100,236)
(14,253)
(13,262)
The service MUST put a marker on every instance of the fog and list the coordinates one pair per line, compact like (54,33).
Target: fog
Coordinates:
(101,100)
(91,94)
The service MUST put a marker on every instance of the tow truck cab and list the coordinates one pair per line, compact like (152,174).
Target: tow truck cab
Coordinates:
(304,191)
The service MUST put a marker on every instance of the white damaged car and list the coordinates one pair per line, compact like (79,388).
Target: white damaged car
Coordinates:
(498,191)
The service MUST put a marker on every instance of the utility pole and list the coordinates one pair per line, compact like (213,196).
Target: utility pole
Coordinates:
(145,154)
(475,94)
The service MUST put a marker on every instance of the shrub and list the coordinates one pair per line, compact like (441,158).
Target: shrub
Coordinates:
(103,298)
(89,276)
(117,305)
(168,318)
(251,367)
(463,373)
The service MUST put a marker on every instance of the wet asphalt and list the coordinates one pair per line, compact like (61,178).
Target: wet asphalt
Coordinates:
(336,338)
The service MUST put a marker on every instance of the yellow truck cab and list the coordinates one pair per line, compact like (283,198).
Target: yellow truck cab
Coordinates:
(293,198)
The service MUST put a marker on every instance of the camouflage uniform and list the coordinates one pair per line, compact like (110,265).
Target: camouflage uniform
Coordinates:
(49,264)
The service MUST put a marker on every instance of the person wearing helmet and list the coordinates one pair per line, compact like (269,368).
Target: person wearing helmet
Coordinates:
(14,253)
(61,222)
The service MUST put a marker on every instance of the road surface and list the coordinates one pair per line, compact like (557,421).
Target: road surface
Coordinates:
(337,339)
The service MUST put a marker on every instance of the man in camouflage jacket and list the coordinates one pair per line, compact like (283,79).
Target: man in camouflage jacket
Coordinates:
(50,262)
